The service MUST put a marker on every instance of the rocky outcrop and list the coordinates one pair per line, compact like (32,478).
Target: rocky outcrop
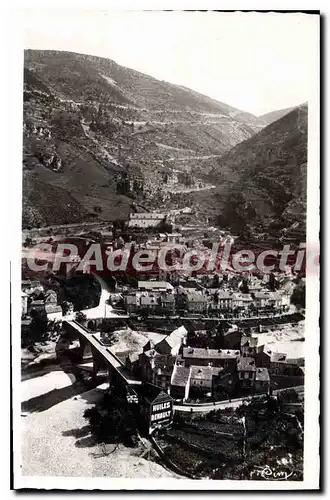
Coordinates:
(52,161)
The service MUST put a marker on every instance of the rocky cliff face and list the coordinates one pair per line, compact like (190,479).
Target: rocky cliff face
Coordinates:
(90,126)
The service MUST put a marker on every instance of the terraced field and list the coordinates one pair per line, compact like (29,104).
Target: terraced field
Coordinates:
(215,446)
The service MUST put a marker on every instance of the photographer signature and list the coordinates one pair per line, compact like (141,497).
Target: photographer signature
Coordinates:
(272,474)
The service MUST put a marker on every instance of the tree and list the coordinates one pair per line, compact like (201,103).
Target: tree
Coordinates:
(27,242)
(80,317)
(54,328)
(273,284)
(65,307)
(244,287)
(216,281)
(164,227)
(91,325)
(38,328)
(288,396)
(107,327)
(113,419)
(298,297)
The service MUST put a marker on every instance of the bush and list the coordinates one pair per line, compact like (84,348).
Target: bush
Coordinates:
(113,419)
(91,325)
(298,297)
(80,317)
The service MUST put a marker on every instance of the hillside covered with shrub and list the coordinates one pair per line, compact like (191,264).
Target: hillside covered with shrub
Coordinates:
(91,125)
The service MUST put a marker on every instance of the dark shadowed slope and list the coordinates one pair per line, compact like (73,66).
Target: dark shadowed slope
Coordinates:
(273,116)
(263,179)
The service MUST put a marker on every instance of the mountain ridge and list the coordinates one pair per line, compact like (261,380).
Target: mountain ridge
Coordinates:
(276,114)
(265,176)
(109,64)
(91,125)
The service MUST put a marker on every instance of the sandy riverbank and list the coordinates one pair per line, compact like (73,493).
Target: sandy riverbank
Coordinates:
(288,339)
(57,441)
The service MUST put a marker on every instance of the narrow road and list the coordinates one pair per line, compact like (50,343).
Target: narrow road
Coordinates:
(232,319)
(26,232)
(186,158)
(205,408)
(190,190)
(103,309)
(228,403)
(106,154)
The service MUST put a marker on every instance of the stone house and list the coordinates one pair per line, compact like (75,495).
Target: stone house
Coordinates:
(223,301)
(225,358)
(156,368)
(262,381)
(246,369)
(24,303)
(145,220)
(261,299)
(149,301)
(167,303)
(278,363)
(201,379)
(155,286)
(132,302)
(192,300)
(180,382)
(249,346)
(193,381)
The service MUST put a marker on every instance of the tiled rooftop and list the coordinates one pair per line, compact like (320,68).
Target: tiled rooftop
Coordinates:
(278,357)
(204,372)
(200,353)
(180,376)
(262,374)
(246,364)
